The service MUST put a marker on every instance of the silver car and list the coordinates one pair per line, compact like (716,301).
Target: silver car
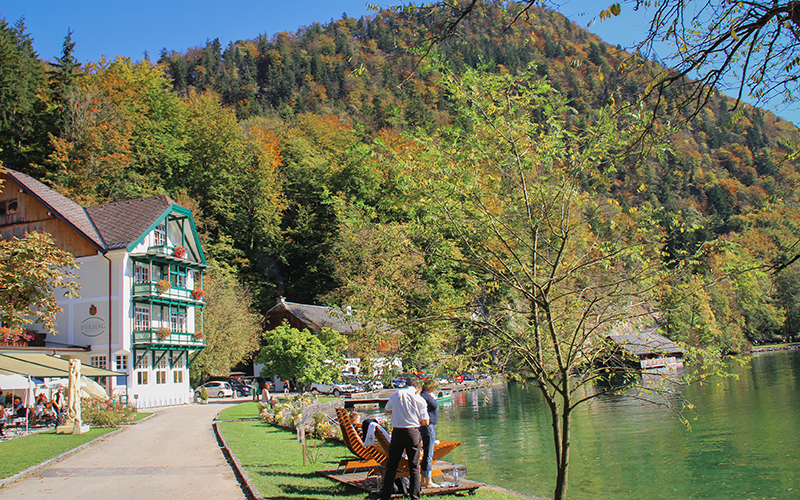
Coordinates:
(215,390)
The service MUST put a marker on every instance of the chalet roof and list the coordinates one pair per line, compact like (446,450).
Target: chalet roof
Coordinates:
(60,206)
(646,343)
(319,317)
(108,227)
(123,222)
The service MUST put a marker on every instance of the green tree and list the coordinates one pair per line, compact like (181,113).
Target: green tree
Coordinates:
(32,271)
(232,328)
(558,264)
(22,78)
(302,356)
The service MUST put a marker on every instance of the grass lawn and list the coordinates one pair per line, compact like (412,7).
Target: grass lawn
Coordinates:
(273,459)
(23,452)
(140,415)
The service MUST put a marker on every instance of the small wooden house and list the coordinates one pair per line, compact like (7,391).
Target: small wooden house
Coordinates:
(648,350)
(140,310)
(315,318)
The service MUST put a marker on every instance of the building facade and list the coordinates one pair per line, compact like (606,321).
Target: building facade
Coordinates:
(140,310)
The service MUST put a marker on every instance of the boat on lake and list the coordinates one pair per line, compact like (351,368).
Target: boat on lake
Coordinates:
(443,396)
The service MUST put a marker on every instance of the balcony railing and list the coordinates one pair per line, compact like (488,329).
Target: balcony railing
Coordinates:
(172,293)
(174,338)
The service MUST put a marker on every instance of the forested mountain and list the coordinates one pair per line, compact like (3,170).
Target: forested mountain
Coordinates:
(275,141)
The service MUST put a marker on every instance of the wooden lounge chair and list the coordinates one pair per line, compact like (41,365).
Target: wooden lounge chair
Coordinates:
(440,449)
(370,456)
(378,455)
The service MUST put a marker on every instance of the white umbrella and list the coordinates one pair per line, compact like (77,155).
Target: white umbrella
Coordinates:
(91,389)
(13,381)
(56,383)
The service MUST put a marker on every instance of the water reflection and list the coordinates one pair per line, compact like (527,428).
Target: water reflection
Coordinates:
(742,444)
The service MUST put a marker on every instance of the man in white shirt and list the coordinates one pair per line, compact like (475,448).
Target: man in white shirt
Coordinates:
(409,412)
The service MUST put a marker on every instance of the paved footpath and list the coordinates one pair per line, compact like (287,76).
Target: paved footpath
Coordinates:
(174,455)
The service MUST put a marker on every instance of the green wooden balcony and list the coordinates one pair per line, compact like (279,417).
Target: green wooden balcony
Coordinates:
(172,294)
(151,337)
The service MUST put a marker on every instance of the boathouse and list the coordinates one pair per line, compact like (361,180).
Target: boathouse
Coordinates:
(140,310)
(647,349)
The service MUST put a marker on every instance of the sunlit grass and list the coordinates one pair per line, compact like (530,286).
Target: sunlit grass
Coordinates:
(274,460)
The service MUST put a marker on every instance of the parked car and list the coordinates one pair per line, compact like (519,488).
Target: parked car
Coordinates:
(399,383)
(240,388)
(337,389)
(355,382)
(215,389)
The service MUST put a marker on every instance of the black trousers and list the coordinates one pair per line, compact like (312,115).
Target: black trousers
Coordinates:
(410,441)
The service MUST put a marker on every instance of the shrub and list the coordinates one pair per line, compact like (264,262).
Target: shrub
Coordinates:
(105,413)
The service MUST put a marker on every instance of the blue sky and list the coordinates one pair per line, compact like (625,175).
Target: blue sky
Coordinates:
(131,28)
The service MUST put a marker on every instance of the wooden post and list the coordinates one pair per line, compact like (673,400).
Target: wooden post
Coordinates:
(301,437)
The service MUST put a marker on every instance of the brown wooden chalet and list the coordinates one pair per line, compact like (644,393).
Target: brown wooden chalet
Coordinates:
(315,318)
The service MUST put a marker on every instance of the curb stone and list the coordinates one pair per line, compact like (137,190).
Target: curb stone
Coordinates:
(238,469)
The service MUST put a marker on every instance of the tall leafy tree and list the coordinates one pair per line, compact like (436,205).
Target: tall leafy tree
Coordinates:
(22,80)
(231,327)
(558,264)
(302,356)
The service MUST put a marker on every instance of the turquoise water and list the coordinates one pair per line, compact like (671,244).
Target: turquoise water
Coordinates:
(744,443)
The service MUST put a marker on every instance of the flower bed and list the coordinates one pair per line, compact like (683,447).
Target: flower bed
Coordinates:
(288,413)
(106,413)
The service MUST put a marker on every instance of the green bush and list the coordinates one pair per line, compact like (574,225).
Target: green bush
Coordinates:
(102,413)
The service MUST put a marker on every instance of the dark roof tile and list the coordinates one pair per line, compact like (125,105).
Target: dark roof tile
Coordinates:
(123,222)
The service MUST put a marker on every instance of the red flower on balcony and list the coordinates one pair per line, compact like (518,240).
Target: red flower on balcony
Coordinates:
(198,336)
(163,285)
(179,252)
(198,293)
(163,333)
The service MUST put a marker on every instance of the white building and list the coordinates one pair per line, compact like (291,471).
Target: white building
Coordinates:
(140,309)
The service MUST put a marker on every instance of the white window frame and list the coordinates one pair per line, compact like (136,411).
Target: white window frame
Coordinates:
(141,273)
(177,376)
(160,235)
(177,321)
(121,362)
(98,361)
(141,318)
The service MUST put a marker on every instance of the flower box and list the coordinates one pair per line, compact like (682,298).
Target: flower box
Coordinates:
(163,332)
(179,252)
(163,285)
(198,294)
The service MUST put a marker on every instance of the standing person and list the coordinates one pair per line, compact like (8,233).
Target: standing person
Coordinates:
(286,387)
(428,433)
(408,412)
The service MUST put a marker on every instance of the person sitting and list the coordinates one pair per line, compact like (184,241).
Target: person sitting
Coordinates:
(19,408)
(368,428)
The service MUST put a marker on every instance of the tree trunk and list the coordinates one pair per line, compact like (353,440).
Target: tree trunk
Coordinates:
(562,458)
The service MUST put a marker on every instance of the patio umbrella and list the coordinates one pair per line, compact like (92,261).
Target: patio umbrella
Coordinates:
(56,383)
(91,389)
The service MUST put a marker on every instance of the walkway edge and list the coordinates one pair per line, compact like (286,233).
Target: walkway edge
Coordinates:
(35,468)
(238,469)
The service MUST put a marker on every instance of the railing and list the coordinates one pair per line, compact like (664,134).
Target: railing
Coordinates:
(173,292)
(167,251)
(174,338)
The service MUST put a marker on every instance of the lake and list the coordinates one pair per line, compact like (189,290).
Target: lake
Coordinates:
(744,441)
